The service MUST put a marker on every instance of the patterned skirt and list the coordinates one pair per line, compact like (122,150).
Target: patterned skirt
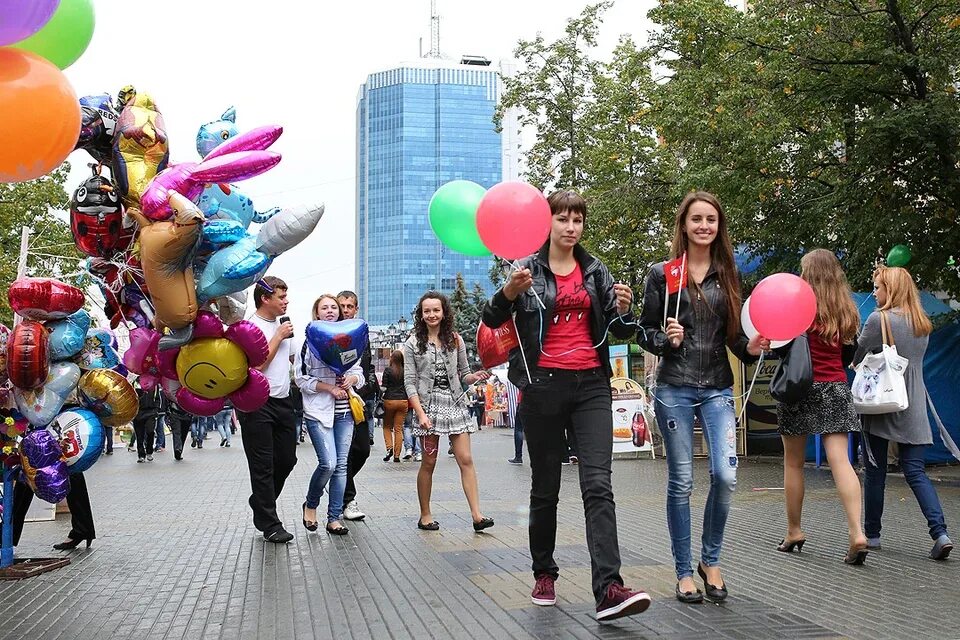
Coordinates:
(448,414)
(827,408)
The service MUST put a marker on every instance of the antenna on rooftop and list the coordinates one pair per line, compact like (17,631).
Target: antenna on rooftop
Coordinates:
(434,31)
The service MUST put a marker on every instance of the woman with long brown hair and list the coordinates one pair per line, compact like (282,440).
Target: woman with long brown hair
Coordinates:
(435,373)
(395,406)
(694,377)
(827,409)
(909,328)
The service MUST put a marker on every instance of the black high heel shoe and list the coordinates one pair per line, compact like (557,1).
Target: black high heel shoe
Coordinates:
(856,555)
(788,548)
(70,543)
(714,593)
(309,526)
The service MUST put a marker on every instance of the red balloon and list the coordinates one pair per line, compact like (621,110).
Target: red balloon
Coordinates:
(44,298)
(494,345)
(782,306)
(513,220)
(28,358)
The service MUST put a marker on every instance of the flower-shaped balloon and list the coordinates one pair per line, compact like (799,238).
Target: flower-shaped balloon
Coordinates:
(218,364)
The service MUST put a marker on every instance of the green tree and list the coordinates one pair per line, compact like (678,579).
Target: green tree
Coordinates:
(829,123)
(552,95)
(32,204)
(467,316)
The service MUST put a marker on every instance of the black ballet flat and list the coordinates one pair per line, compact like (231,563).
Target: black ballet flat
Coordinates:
(484,523)
(788,548)
(430,526)
(689,597)
(337,531)
(714,593)
(309,525)
(70,543)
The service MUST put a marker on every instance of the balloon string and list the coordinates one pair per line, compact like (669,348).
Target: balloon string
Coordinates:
(516,267)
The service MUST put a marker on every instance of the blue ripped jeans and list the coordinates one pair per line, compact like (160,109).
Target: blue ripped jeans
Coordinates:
(675,407)
(332,445)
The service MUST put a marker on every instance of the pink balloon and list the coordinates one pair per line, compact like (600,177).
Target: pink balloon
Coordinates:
(142,356)
(207,325)
(254,392)
(782,306)
(196,405)
(513,220)
(250,338)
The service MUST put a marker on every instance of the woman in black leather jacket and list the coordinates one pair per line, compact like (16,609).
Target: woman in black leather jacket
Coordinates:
(694,378)
(564,351)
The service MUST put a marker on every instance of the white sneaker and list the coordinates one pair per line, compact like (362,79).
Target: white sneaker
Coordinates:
(407,454)
(352,512)
(418,457)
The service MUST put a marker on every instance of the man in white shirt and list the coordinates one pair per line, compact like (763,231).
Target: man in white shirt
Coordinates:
(269,434)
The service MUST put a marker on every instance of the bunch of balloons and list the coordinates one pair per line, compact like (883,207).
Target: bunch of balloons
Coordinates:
(39,114)
(67,382)
(510,220)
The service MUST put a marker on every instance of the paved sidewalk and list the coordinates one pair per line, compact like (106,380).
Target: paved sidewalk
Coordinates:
(178,557)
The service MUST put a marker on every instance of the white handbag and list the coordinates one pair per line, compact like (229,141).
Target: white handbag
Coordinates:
(879,386)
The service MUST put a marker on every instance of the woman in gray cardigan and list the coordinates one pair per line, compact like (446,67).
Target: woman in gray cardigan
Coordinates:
(435,374)
(899,303)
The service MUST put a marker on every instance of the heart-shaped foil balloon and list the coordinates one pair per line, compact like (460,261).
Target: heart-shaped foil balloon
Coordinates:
(338,344)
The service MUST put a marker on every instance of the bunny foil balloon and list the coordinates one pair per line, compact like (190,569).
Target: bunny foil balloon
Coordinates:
(338,344)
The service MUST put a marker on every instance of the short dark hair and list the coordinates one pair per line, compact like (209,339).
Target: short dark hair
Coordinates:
(266,287)
(346,293)
(567,200)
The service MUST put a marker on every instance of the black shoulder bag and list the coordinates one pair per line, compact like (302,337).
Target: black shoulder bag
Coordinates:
(794,375)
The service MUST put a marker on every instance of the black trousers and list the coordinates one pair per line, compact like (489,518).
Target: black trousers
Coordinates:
(577,401)
(179,429)
(146,431)
(359,452)
(81,514)
(269,442)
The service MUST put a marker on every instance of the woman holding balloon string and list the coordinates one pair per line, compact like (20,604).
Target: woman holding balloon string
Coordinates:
(691,314)
(564,301)
(435,373)
(326,412)
(827,408)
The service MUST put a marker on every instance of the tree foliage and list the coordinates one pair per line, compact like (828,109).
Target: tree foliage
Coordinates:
(52,252)
(818,124)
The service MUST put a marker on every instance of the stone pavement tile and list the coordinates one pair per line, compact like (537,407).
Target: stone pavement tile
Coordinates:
(177,557)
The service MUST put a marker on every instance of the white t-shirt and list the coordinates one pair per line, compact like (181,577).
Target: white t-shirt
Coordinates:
(278,371)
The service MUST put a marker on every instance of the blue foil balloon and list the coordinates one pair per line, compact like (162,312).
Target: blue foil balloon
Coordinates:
(67,335)
(82,436)
(232,269)
(338,344)
(226,202)
(98,351)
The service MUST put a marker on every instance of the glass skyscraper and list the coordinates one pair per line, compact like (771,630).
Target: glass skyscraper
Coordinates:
(419,126)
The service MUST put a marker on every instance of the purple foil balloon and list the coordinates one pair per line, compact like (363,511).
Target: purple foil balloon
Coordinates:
(52,483)
(23,18)
(41,448)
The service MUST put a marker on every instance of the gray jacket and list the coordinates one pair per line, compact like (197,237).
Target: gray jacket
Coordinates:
(910,426)
(418,368)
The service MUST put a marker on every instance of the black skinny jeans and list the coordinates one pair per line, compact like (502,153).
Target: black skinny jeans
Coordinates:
(146,432)
(579,402)
(359,452)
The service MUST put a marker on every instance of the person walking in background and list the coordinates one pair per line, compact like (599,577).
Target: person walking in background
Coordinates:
(326,409)
(564,353)
(362,437)
(411,443)
(179,421)
(436,374)
(145,422)
(513,404)
(694,378)
(909,328)
(198,431)
(827,409)
(395,406)
(269,433)
(223,420)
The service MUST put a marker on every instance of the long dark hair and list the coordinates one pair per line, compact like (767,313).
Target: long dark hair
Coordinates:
(721,255)
(448,337)
(396,364)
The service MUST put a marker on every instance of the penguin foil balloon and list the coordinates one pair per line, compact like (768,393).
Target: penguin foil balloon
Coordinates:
(96,216)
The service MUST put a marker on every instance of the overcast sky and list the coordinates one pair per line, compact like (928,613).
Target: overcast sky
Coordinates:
(299,64)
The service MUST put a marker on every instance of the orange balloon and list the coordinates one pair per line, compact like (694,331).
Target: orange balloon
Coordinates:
(39,116)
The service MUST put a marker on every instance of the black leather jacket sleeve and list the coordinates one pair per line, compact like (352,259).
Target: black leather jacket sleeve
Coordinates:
(651,334)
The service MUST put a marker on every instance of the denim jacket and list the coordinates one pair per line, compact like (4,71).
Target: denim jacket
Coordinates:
(418,368)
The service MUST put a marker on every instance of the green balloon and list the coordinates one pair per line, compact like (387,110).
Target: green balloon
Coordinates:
(66,36)
(453,216)
(899,256)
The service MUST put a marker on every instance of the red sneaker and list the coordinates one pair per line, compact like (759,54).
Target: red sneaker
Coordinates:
(620,601)
(544,594)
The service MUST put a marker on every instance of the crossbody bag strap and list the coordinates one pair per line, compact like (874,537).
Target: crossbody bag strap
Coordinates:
(944,434)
